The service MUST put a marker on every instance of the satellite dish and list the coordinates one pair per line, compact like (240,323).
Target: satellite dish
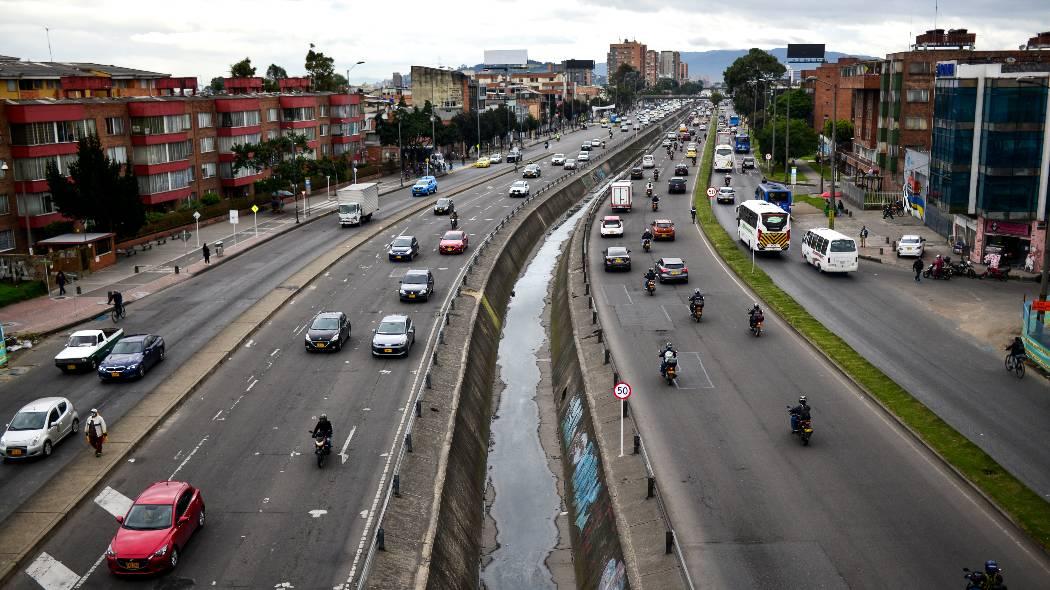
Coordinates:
(1011,60)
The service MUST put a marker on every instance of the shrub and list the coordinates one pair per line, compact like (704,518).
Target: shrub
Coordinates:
(210,198)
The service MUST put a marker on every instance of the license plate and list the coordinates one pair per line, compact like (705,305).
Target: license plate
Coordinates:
(411,295)
(132,565)
(618,260)
(319,344)
(16,452)
(114,374)
(398,257)
(71,367)
(676,272)
(388,350)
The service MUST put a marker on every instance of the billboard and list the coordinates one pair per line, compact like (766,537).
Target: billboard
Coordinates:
(506,57)
(805,51)
(579,64)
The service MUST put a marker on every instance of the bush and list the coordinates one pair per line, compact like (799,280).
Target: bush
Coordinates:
(210,198)
(15,292)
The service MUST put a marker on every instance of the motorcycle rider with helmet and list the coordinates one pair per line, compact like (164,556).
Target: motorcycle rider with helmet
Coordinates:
(324,427)
(656,174)
(697,298)
(666,355)
(647,235)
(799,413)
(755,315)
(650,275)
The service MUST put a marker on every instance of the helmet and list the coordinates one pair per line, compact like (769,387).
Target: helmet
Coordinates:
(324,416)
(668,346)
(991,567)
(802,400)
(94,411)
(696,291)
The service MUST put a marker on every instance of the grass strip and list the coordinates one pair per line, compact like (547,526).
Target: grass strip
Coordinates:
(1025,507)
(15,292)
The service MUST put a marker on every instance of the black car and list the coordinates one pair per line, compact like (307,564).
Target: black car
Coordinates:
(676,185)
(444,206)
(749,162)
(636,173)
(328,331)
(531,171)
(617,258)
(681,169)
(416,285)
(131,357)
(403,248)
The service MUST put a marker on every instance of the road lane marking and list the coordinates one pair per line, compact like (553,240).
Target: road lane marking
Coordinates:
(666,315)
(51,574)
(113,501)
(90,571)
(628,293)
(707,377)
(250,386)
(275,351)
(214,418)
(187,459)
(249,344)
(342,452)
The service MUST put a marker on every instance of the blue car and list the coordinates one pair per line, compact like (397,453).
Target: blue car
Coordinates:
(131,357)
(426,185)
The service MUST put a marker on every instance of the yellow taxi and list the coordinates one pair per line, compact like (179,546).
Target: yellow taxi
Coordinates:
(482,163)
(690,153)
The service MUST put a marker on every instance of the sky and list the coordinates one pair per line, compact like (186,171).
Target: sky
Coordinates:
(202,38)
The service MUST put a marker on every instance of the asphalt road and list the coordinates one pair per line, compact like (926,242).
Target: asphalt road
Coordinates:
(886,316)
(273,516)
(863,506)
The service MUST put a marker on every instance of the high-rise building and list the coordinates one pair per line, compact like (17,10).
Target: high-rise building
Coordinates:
(449,91)
(631,53)
(652,67)
(396,80)
(683,73)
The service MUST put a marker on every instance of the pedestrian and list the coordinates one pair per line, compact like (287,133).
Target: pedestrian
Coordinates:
(60,278)
(207,253)
(692,213)
(864,236)
(917,267)
(96,431)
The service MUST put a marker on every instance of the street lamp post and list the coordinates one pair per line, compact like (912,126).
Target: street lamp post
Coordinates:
(400,150)
(348,70)
(834,145)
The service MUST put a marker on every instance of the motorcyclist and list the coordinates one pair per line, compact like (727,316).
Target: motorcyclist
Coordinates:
(994,574)
(647,235)
(454,219)
(696,299)
(728,179)
(649,189)
(755,315)
(692,213)
(666,355)
(610,134)
(650,275)
(656,202)
(324,427)
(603,144)
(938,266)
(656,174)
(799,413)
(546,144)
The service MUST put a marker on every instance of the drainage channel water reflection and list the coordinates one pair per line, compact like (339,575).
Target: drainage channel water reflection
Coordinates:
(526,497)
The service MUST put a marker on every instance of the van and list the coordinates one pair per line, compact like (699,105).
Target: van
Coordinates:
(829,250)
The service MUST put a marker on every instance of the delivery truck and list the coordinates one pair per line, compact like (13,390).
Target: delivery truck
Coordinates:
(620,199)
(357,203)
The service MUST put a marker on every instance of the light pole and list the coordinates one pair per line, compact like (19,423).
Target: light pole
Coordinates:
(348,70)
(433,141)
(834,146)
(400,150)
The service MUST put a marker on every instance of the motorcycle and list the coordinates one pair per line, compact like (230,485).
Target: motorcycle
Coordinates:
(322,448)
(647,244)
(650,285)
(728,180)
(670,370)
(978,580)
(546,145)
(656,203)
(648,192)
(996,272)
(887,212)
(756,325)
(898,208)
(694,160)
(696,310)
(931,272)
(962,268)
(805,429)
(656,175)
(454,222)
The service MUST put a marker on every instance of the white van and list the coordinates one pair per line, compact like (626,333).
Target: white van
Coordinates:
(829,251)
(648,161)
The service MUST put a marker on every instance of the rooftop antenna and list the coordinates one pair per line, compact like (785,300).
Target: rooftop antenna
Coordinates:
(50,55)
(934,14)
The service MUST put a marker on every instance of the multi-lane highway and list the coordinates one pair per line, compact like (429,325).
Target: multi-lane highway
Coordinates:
(863,506)
(273,517)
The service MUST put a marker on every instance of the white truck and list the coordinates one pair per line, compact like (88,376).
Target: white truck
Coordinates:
(620,197)
(85,349)
(357,203)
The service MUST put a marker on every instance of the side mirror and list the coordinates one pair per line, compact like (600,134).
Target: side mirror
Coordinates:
(183,520)
(374,330)
(120,519)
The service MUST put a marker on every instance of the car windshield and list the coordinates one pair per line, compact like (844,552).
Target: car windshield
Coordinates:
(325,323)
(148,517)
(617,252)
(443,202)
(723,151)
(674,265)
(128,347)
(422,183)
(452,235)
(28,421)
(774,221)
(843,246)
(519,184)
(910,241)
(665,224)
(391,328)
(402,242)
(419,279)
(75,341)
(611,222)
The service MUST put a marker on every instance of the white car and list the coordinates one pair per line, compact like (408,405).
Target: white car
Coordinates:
(625,128)
(648,161)
(569,164)
(583,157)
(38,427)
(612,225)
(670,135)
(910,245)
(596,143)
(558,160)
(726,194)
(496,158)
(666,143)
(520,188)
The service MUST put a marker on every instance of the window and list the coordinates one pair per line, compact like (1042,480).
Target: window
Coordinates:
(36,168)
(273,114)
(12,85)
(183,503)
(919,67)
(324,110)
(916,123)
(207,144)
(325,148)
(918,95)
(239,119)
(163,153)
(5,204)
(271,134)
(204,120)
(115,126)
(299,114)
(309,132)
(208,170)
(324,130)
(7,240)
(165,181)
(226,171)
(52,132)
(160,124)
(118,154)
(35,204)
(226,143)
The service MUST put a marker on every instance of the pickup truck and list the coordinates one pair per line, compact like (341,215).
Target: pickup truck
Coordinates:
(86,348)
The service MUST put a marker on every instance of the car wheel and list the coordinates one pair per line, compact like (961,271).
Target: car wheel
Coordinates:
(162,353)
(76,426)
(47,448)
(174,559)
(200,518)
(142,370)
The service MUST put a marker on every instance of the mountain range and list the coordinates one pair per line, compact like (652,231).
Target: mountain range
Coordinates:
(711,64)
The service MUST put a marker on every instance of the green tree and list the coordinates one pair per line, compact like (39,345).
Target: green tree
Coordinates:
(746,76)
(242,69)
(691,87)
(217,84)
(273,74)
(800,101)
(321,69)
(284,157)
(802,139)
(97,191)
(717,97)
(843,131)
(624,85)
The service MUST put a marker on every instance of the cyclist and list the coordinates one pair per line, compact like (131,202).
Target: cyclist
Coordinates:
(1016,348)
(117,300)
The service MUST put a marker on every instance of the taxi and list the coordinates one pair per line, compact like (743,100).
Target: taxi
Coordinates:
(482,163)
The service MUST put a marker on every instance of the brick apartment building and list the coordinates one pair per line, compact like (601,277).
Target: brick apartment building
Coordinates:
(683,72)
(652,67)
(179,146)
(631,53)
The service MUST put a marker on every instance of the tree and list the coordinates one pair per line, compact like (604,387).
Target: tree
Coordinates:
(801,104)
(271,154)
(242,69)
(273,74)
(624,85)
(744,78)
(843,131)
(717,97)
(691,87)
(97,191)
(217,84)
(802,139)
(321,69)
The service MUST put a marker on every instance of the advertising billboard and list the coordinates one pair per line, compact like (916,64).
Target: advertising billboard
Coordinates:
(506,57)
(805,52)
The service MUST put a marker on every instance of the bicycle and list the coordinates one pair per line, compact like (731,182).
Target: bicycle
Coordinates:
(1015,364)
(118,313)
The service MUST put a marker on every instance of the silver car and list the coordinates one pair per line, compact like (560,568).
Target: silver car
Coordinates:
(38,427)
(394,336)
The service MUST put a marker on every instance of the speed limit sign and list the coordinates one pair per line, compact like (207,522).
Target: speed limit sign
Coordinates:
(769,156)
(622,390)
(711,192)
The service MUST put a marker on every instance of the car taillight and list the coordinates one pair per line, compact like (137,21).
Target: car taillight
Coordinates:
(685,269)
(759,238)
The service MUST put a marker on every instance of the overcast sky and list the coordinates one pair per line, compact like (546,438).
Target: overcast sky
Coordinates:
(201,38)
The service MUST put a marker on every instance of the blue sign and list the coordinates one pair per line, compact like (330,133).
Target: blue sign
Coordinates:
(946,69)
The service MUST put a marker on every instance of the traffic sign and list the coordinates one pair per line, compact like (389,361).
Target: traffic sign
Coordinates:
(233,216)
(255,208)
(622,391)
(711,191)
(196,215)
(769,156)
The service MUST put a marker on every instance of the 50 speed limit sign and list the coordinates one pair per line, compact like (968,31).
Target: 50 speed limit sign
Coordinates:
(622,390)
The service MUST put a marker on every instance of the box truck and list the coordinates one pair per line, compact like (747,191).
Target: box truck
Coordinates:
(357,203)
(620,199)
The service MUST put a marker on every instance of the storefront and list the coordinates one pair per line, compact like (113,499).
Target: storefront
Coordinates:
(1007,242)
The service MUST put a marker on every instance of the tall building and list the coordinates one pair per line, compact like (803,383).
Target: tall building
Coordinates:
(683,73)
(396,80)
(669,61)
(577,71)
(631,53)
(652,67)
(449,91)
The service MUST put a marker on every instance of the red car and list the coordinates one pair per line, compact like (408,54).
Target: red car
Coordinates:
(453,242)
(663,229)
(156,528)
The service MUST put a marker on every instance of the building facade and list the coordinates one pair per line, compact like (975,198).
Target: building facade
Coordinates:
(669,64)
(683,72)
(450,91)
(24,80)
(652,67)
(631,53)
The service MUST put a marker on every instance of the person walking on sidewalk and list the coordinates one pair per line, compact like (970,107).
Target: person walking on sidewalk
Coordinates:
(207,253)
(863,236)
(60,278)
(917,267)
(96,431)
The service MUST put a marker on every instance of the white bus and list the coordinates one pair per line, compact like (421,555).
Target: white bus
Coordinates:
(763,226)
(723,158)
(829,251)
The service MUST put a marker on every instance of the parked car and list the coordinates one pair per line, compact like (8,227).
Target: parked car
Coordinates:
(482,163)
(681,169)
(453,242)
(444,206)
(426,185)
(531,171)
(910,245)
(495,157)
(156,529)
(131,357)
(394,336)
(636,173)
(416,285)
(38,427)
(612,225)
(558,160)
(520,188)
(662,229)
(617,258)
(672,269)
(328,331)
(676,185)
(403,248)
(570,164)
(726,194)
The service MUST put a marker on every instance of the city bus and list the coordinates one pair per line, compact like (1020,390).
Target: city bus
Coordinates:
(734,120)
(775,193)
(723,158)
(829,251)
(763,227)
(742,143)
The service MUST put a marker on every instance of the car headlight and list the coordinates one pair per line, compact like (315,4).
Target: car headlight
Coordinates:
(109,551)
(334,337)
(161,552)
(134,365)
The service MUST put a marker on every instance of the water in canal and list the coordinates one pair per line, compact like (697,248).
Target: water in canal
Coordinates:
(526,497)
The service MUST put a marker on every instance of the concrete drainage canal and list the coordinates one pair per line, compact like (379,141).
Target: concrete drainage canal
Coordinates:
(526,536)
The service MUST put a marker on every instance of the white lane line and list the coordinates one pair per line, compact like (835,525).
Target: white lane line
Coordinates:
(187,459)
(251,385)
(90,571)
(249,344)
(275,351)
(214,418)
(666,315)
(51,574)
(113,501)
(628,294)
(707,377)
(342,452)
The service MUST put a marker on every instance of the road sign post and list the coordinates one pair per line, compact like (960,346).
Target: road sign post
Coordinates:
(711,192)
(197,220)
(233,222)
(255,219)
(622,391)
